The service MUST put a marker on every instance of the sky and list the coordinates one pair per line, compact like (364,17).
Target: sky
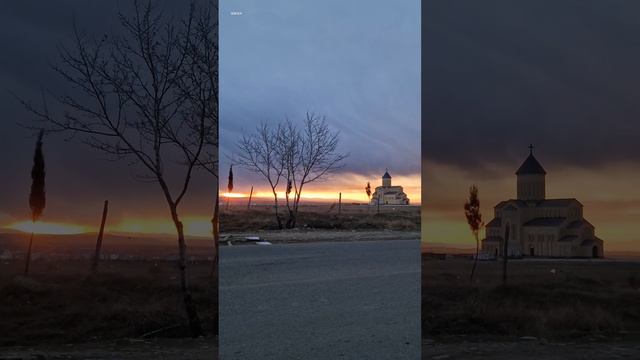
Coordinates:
(564,76)
(79,179)
(357,63)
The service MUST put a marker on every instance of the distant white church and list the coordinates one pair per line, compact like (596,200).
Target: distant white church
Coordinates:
(536,226)
(387,194)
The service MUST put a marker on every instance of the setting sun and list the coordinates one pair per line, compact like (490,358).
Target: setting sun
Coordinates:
(234,195)
(48,228)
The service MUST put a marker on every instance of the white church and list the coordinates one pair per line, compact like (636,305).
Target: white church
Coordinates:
(388,194)
(535,226)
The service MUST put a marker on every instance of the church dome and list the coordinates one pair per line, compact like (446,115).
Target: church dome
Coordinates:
(530,166)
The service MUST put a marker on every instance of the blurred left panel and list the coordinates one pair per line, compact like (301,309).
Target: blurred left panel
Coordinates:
(108,190)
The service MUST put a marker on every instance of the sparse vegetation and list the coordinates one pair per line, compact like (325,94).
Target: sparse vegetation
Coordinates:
(124,300)
(322,217)
(474,219)
(576,300)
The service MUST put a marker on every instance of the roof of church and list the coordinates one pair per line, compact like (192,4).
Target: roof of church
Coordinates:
(539,203)
(530,166)
(545,222)
(386,175)
(578,224)
(495,222)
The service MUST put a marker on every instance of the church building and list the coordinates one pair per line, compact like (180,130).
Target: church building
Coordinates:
(387,194)
(536,226)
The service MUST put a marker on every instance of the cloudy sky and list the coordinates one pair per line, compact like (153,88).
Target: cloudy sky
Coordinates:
(561,75)
(356,63)
(78,179)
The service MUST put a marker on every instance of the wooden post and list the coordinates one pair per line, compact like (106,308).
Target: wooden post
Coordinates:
(250,196)
(96,255)
(28,260)
(505,257)
(339,203)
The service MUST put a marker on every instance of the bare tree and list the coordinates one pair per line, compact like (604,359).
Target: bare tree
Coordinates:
(288,145)
(474,219)
(260,152)
(315,157)
(148,95)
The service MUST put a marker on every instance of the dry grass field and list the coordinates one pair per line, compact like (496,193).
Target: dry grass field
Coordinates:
(323,217)
(554,300)
(60,303)
(130,308)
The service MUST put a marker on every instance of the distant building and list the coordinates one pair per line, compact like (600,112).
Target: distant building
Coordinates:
(537,226)
(387,194)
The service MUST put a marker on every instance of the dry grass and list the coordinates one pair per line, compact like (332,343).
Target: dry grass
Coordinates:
(324,217)
(575,300)
(59,303)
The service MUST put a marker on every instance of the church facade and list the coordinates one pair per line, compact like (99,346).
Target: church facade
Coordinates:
(535,226)
(388,194)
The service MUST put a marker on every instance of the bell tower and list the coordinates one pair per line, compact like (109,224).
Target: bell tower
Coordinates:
(386,178)
(531,179)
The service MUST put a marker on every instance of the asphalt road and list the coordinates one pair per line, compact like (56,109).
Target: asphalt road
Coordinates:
(353,300)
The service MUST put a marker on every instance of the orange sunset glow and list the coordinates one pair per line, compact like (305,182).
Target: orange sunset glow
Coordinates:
(193,226)
(48,228)
(350,185)
(610,198)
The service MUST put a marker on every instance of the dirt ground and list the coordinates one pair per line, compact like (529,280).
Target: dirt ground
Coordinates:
(302,236)
(550,309)
(128,310)
(323,217)
(127,349)
(529,349)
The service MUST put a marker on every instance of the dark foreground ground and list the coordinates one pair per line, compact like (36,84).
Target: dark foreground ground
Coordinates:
(129,310)
(336,300)
(549,310)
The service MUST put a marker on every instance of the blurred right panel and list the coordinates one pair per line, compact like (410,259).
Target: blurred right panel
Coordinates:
(530,245)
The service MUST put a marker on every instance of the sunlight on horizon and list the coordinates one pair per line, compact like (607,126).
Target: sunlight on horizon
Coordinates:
(49,228)
(329,192)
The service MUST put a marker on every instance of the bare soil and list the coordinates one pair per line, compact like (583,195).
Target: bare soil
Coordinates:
(61,307)
(323,217)
(204,348)
(552,309)
(529,349)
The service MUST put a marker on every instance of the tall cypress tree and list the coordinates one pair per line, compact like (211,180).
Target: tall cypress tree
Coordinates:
(37,197)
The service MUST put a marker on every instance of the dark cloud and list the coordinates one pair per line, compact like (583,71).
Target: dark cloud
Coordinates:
(78,178)
(356,63)
(499,75)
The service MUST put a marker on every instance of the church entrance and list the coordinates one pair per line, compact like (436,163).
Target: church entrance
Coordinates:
(532,251)
(594,252)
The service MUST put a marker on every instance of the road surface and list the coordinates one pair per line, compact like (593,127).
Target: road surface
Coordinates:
(353,300)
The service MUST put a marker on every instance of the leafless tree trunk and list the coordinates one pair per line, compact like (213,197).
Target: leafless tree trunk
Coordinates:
(313,156)
(148,95)
(259,152)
